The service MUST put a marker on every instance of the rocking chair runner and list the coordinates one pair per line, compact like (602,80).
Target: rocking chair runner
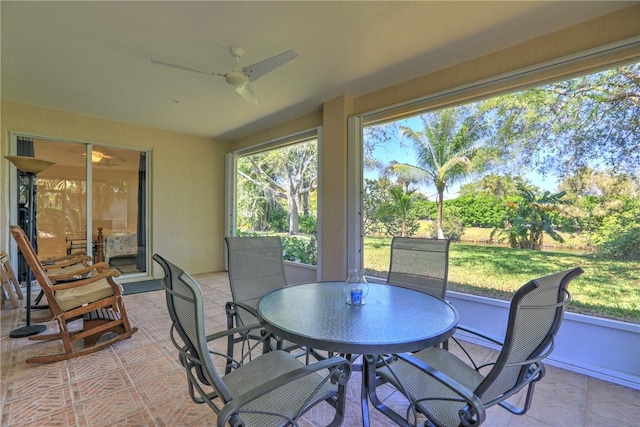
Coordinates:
(97,300)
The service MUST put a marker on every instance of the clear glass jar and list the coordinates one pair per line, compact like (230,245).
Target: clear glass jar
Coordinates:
(356,287)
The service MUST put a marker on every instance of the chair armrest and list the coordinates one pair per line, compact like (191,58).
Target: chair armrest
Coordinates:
(76,257)
(82,282)
(479,334)
(340,371)
(232,306)
(61,263)
(98,267)
(233,331)
(482,336)
(474,406)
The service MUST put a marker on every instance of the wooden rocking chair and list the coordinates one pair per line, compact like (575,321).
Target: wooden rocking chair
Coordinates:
(96,300)
(9,282)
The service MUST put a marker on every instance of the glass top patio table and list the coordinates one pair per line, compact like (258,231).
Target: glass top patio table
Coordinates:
(392,320)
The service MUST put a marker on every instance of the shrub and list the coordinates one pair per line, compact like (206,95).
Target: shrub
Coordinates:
(619,235)
(277,219)
(308,224)
(299,249)
(451,227)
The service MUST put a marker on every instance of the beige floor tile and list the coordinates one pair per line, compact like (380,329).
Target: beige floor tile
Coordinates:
(139,381)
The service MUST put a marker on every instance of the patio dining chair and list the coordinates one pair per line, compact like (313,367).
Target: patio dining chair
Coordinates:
(420,264)
(255,269)
(448,391)
(96,301)
(267,389)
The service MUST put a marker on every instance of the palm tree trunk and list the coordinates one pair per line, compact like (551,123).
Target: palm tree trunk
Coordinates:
(439,220)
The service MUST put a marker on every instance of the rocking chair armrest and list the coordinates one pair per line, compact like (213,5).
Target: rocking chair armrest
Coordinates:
(473,402)
(73,259)
(88,280)
(336,363)
(99,267)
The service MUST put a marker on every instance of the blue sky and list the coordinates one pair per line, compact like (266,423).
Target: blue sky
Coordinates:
(393,151)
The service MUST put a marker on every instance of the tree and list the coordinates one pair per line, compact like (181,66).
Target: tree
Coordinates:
(594,196)
(499,186)
(375,137)
(399,208)
(444,149)
(530,218)
(588,121)
(286,174)
(375,195)
(619,235)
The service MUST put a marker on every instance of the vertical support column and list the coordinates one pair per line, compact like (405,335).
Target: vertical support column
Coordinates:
(334,188)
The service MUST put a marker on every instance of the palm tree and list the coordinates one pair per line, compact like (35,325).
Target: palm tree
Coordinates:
(444,149)
(400,206)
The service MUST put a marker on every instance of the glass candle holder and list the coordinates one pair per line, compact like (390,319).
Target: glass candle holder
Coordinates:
(356,287)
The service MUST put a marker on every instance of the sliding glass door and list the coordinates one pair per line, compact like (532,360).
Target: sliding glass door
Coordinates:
(93,198)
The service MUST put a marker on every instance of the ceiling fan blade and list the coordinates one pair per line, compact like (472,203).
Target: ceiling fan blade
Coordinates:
(246,92)
(179,67)
(259,69)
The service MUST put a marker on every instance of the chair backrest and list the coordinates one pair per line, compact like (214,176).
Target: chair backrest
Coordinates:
(186,308)
(420,264)
(255,268)
(35,265)
(535,315)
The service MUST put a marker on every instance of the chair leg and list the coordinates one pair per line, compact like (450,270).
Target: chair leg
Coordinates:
(10,284)
(7,291)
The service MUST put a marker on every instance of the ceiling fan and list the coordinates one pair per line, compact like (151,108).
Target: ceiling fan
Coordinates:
(241,77)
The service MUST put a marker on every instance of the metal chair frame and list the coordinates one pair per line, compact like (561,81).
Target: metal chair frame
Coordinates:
(458,392)
(272,389)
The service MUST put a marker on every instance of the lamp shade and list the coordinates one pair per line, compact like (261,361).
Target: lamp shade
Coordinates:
(29,164)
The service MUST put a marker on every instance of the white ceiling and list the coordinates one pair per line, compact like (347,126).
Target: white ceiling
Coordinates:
(93,58)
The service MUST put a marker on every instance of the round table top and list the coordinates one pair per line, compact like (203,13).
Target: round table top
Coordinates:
(392,320)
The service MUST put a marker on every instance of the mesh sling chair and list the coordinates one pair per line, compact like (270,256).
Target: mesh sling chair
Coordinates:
(272,389)
(96,300)
(420,264)
(255,268)
(450,392)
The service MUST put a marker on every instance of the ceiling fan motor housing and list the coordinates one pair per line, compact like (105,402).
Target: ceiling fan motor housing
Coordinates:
(236,78)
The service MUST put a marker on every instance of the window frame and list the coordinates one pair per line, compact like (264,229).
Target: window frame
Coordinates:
(563,68)
(231,158)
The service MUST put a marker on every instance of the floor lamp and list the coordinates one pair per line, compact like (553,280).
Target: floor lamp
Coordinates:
(31,167)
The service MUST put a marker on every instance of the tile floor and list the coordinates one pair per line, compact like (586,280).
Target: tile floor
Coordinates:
(139,382)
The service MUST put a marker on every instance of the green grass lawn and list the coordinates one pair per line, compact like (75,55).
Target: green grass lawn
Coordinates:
(608,288)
